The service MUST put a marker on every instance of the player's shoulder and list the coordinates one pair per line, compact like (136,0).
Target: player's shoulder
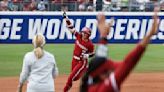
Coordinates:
(48,54)
(28,54)
(78,35)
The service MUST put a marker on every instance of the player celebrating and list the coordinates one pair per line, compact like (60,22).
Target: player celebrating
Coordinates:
(83,49)
(39,67)
(101,76)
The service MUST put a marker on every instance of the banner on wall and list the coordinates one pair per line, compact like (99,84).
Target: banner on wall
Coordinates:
(20,27)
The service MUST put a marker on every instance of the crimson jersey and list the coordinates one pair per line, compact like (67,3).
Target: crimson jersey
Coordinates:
(121,71)
(82,46)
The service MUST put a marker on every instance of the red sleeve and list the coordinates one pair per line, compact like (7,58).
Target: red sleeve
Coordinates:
(91,48)
(128,64)
(112,84)
(114,64)
(91,51)
(77,34)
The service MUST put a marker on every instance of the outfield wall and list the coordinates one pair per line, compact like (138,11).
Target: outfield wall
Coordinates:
(128,27)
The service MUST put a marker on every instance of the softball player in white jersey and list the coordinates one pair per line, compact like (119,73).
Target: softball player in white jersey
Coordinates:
(39,67)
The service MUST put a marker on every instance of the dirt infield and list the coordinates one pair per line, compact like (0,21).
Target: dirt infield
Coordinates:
(137,82)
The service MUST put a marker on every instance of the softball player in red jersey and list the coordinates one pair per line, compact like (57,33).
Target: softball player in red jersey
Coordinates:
(83,49)
(101,76)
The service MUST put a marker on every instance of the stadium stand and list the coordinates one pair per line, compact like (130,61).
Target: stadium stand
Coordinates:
(80,5)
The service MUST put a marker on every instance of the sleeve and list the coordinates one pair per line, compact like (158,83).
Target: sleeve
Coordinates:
(91,51)
(55,71)
(113,82)
(25,71)
(114,64)
(77,34)
(70,26)
(72,29)
(128,64)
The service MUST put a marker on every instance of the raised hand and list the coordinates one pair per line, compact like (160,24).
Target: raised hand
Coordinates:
(153,30)
(155,23)
(104,28)
(64,15)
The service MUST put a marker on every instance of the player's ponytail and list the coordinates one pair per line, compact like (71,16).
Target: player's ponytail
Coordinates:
(38,42)
(38,52)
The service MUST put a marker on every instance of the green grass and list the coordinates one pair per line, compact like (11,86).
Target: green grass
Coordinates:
(11,56)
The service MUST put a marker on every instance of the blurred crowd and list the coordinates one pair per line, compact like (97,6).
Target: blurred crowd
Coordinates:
(80,5)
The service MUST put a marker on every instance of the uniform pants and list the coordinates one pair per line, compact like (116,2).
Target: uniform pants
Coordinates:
(77,71)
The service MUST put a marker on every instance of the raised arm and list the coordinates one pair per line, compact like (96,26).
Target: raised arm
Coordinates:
(153,30)
(119,75)
(134,56)
(104,29)
(68,23)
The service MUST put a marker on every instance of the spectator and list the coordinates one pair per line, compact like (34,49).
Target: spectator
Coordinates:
(162,5)
(99,5)
(15,8)
(107,5)
(18,5)
(142,4)
(71,4)
(80,1)
(30,6)
(124,5)
(162,1)
(115,5)
(41,6)
(4,5)
(10,5)
(81,7)
(90,8)
(56,5)
(89,2)
(149,6)
(26,7)
(64,7)
(85,5)
(33,6)
(134,5)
